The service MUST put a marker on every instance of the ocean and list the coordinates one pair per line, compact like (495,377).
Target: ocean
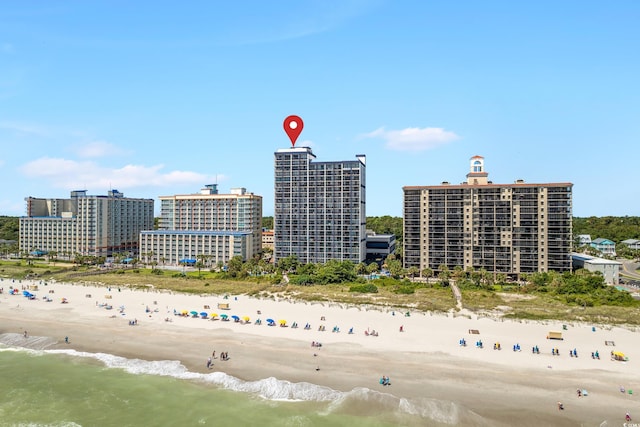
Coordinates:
(66,388)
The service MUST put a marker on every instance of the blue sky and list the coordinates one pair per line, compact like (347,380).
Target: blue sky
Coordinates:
(158,98)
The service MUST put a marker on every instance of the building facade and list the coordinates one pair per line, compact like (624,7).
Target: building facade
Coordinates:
(605,246)
(320,207)
(610,269)
(380,246)
(209,226)
(503,228)
(85,224)
(632,244)
(268,239)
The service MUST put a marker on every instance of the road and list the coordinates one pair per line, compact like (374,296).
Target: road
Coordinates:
(629,269)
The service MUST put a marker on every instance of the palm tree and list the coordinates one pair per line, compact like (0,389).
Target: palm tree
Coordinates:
(372,268)
(52,256)
(444,274)
(413,271)
(199,265)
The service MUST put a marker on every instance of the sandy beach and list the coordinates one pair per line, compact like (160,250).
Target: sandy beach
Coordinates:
(420,352)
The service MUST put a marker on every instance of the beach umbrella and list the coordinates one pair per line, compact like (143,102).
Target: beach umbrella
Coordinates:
(184,312)
(246,318)
(236,318)
(271,321)
(283,322)
(214,315)
(193,313)
(203,314)
(224,316)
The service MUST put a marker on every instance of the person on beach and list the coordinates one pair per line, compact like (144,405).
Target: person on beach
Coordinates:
(627,417)
(25,334)
(209,363)
(213,355)
(560,406)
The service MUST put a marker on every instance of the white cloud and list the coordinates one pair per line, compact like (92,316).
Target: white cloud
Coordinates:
(98,149)
(413,139)
(70,174)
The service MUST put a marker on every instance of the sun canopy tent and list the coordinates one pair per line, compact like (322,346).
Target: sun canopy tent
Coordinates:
(188,261)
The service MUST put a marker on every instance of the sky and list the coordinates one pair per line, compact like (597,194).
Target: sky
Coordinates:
(156,98)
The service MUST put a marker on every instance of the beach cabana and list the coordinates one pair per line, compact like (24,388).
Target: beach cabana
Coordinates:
(554,335)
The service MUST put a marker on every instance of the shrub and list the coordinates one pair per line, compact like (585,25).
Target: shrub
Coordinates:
(367,288)
(404,290)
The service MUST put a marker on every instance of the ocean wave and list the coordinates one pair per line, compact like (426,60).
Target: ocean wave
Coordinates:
(269,388)
(357,401)
(386,404)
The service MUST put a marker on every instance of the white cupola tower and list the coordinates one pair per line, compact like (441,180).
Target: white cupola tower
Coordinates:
(477,174)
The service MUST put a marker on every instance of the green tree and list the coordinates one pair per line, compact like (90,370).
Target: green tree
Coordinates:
(395,267)
(199,265)
(444,274)
(427,272)
(288,264)
(234,266)
(372,268)
(413,271)
(267,222)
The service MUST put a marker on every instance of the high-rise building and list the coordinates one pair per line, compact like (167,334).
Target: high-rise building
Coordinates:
(209,226)
(506,228)
(320,207)
(85,224)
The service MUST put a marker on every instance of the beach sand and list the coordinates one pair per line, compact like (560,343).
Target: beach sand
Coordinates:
(461,385)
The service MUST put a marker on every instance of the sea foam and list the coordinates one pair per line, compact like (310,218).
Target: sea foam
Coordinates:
(358,400)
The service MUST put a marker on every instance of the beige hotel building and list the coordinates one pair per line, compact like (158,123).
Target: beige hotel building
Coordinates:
(216,226)
(503,228)
(90,225)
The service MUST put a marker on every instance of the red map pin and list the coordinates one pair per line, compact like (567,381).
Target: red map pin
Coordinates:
(293,127)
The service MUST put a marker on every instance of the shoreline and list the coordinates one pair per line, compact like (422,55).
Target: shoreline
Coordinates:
(424,361)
